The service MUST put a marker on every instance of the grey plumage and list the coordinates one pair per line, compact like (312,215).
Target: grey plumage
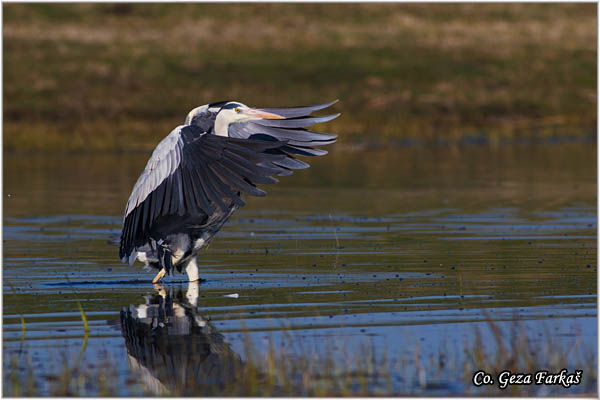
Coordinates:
(195,177)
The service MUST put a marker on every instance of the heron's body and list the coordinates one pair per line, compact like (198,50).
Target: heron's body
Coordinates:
(183,236)
(195,177)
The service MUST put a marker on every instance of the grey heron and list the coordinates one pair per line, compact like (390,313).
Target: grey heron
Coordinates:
(194,180)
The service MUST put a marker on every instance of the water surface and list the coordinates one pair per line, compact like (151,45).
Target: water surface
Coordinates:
(404,250)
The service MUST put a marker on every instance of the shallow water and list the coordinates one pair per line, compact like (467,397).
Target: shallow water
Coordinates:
(404,251)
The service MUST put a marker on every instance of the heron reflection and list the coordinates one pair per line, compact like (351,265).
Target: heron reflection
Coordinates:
(173,348)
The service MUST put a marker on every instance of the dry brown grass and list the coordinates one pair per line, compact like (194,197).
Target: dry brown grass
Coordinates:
(106,76)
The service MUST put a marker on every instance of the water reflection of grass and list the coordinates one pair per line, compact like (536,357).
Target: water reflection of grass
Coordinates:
(293,369)
(106,76)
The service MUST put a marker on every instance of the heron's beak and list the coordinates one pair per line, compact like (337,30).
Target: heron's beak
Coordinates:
(252,112)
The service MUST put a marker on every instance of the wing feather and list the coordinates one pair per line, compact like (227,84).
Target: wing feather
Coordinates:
(166,206)
(292,163)
(172,190)
(253,155)
(223,187)
(251,167)
(292,130)
(238,183)
(159,166)
(160,198)
(204,202)
(211,190)
(304,151)
(193,173)
(295,122)
(179,187)
(301,111)
(247,129)
(191,203)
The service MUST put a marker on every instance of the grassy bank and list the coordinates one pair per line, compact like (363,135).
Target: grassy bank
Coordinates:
(106,76)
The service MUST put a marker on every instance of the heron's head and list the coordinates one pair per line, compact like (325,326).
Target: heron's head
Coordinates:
(232,112)
(204,116)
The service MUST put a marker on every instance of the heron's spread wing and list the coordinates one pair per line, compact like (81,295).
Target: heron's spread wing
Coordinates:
(193,173)
(295,112)
(292,130)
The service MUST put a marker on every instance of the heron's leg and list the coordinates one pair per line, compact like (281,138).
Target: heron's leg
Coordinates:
(159,276)
(192,293)
(192,269)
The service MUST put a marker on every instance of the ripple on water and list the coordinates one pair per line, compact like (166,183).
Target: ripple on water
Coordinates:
(396,268)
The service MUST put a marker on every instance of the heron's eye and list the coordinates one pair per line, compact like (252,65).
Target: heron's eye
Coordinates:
(237,110)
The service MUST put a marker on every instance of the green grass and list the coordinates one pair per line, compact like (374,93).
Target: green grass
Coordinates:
(106,77)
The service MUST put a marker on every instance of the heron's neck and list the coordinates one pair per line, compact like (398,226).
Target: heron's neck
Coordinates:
(221,127)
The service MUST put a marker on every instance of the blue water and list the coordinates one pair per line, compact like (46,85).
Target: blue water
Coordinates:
(409,272)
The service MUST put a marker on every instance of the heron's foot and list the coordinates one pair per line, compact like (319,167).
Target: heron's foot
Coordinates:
(160,288)
(159,276)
